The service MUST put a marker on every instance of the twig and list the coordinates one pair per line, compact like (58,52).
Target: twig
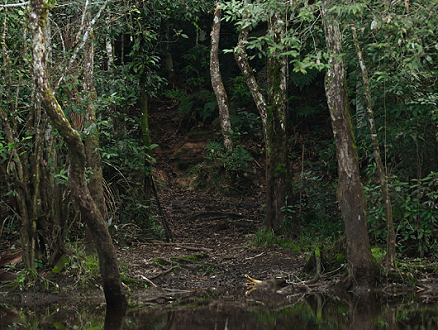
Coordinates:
(81,45)
(164,272)
(22,4)
(177,290)
(183,246)
(148,280)
(258,255)
(214,214)
(194,248)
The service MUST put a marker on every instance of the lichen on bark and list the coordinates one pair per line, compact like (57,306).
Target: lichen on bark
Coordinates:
(350,192)
(114,292)
(216,80)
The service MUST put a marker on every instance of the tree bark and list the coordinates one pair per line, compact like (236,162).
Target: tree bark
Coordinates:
(216,79)
(390,241)
(22,195)
(350,193)
(114,293)
(251,81)
(146,135)
(273,118)
(109,48)
(91,140)
(276,149)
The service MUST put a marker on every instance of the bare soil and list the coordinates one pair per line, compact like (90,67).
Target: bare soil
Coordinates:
(212,234)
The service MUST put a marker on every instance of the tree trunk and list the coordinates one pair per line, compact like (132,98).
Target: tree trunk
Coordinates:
(146,135)
(216,79)
(273,121)
(91,140)
(109,270)
(248,73)
(109,48)
(276,149)
(390,241)
(350,193)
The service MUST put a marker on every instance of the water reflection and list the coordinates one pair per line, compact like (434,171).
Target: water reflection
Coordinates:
(234,311)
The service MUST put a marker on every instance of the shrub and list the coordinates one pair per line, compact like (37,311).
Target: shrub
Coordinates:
(415,211)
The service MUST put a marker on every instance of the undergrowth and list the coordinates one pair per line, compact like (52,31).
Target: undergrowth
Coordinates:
(223,171)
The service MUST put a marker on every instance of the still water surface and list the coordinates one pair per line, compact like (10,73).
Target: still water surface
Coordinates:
(231,312)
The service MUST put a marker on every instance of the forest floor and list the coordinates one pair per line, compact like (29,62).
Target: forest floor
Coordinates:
(213,235)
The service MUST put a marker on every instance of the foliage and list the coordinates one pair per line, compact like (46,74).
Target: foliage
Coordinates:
(124,189)
(197,67)
(247,123)
(312,208)
(400,51)
(237,160)
(240,94)
(415,210)
(224,171)
(199,105)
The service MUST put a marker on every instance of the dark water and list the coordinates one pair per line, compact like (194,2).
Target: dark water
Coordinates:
(210,310)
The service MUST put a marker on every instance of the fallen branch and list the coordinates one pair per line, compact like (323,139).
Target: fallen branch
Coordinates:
(168,270)
(195,248)
(214,214)
(258,255)
(183,246)
(148,280)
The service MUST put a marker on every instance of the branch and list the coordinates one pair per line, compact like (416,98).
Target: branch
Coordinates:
(82,44)
(22,4)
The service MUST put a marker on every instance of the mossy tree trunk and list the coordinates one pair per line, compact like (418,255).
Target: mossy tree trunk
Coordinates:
(114,293)
(91,140)
(276,148)
(29,174)
(390,241)
(350,193)
(273,116)
(216,79)
(254,88)
(17,170)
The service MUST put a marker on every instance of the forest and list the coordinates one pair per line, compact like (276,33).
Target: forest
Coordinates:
(309,128)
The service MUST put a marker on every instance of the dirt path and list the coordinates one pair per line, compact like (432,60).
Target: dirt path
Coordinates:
(212,234)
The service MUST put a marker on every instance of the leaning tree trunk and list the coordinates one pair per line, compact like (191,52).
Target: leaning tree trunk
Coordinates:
(112,285)
(216,79)
(251,81)
(390,241)
(276,149)
(273,121)
(350,193)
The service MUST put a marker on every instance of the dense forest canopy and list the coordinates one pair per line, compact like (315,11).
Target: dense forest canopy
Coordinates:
(282,63)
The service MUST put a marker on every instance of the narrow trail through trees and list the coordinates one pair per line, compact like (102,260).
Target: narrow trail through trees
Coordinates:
(212,234)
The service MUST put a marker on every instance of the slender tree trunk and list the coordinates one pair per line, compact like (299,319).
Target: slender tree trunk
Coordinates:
(350,193)
(91,140)
(146,135)
(109,49)
(22,195)
(273,118)
(248,73)
(114,293)
(18,169)
(216,79)
(276,149)
(390,242)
